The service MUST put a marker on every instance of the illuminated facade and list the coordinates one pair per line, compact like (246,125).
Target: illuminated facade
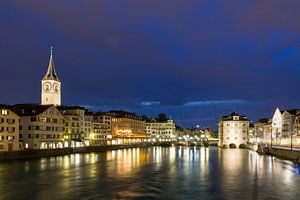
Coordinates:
(161,130)
(262,131)
(41,126)
(233,130)
(51,86)
(277,124)
(9,130)
(74,134)
(127,125)
(101,134)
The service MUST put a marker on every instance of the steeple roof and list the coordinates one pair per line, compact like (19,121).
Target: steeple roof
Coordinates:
(51,73)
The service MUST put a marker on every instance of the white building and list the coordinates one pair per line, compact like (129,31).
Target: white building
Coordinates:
(51,85)
(165,131)
(233,130)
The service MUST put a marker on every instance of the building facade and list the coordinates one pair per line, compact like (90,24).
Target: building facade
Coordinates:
(74,134)
(262,131)
(51,85)
(277,124)
(164,131)
(233,130)
(127,126)
(102,132)
(9,130)
(41,126)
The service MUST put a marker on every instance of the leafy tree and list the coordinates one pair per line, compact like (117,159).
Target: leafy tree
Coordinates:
(162,117)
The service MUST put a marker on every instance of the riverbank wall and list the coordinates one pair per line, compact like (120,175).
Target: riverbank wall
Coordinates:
(284,154)
(279,153)
(28,154)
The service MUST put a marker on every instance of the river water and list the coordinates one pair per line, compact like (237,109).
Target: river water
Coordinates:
(152,173)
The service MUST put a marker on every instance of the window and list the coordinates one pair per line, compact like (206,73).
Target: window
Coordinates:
(228,138)
(10,129)
(29,135)
(33,119)
(4,112)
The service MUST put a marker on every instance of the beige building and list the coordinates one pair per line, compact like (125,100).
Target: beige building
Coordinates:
(9,130)
(233,130)
(51,85)
(74,134)
(102,134)
(262,131)
(164,131)
(41,126)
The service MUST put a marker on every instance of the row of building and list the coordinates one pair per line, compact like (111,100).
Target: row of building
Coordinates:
(34,126)
(282,130)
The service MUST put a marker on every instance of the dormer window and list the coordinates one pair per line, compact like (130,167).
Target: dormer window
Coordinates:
(4,112)
(235,117)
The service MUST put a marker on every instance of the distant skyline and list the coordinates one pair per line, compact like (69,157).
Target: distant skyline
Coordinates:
(192,60)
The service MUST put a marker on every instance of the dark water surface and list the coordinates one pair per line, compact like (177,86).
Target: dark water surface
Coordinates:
(152,173)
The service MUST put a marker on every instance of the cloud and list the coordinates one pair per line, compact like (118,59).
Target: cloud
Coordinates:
(150,103)
(212,102)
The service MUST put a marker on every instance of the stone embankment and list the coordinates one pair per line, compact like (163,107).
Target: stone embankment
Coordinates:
(27,154)
(276,152)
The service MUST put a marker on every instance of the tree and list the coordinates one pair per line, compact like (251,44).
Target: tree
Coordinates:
(162,117)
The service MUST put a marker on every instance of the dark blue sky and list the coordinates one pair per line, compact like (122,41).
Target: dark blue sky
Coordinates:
(194,60)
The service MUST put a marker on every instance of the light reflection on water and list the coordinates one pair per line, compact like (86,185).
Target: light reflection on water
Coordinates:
(152,173)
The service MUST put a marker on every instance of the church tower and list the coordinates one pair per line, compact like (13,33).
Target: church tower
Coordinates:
(51,85)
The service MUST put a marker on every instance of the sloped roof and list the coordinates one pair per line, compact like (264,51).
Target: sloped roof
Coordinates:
(51,73)
(30,109)
(230,117)
(9,107)
(263,120)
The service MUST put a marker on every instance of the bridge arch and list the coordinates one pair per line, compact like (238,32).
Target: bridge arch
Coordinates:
(232,146)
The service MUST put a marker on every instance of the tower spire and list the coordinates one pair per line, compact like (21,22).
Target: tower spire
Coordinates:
(51,51)
(51,73)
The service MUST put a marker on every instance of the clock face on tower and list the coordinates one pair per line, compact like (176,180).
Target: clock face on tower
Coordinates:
(56,87)
(47,86)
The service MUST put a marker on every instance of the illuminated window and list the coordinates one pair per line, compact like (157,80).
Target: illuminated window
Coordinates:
(4,112)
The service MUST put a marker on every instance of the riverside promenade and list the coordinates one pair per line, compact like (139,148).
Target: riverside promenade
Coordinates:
(27,154)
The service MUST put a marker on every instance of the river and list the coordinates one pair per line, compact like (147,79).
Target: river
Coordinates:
(152,173)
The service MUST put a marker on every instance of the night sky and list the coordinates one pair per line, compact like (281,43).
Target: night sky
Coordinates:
(192,59)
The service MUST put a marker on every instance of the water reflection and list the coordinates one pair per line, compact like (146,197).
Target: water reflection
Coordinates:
(152,173)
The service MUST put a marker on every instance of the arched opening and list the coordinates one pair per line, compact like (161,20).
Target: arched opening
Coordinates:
(242,146)
(66,144)
(232,146)
(60,145)
(43,145)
